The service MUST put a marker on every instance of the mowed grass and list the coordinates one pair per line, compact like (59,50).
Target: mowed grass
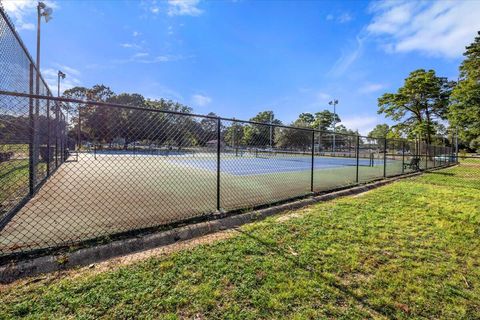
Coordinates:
(14,181)
(14,175)
(92,198)
(407,250)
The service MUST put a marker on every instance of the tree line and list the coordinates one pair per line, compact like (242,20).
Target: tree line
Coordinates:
(112,125)
(427,107)
(433,109)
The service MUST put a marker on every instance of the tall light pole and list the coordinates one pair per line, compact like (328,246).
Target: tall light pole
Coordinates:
(42,11)
(61,75)
(334,103)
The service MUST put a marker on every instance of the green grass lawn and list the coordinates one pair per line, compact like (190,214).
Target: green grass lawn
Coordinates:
(14,175)
(14,181)
(407,250)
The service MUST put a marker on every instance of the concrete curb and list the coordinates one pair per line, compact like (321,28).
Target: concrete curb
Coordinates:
(86,256)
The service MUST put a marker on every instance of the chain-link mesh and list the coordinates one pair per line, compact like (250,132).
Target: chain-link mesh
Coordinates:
(16,62)
(111,169)
(73,171)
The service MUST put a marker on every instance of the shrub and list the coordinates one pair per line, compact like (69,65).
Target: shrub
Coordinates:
(475,144)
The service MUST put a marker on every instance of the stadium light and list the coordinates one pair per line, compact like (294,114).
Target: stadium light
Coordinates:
(45,11)
(42,11)
(334,102)
(61,75)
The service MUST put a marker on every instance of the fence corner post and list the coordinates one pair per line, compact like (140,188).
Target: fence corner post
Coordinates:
(48,154)
(218,163)
(385,157)
(357,154)
(57,124)
(31,151)
(313,161)
(403,157)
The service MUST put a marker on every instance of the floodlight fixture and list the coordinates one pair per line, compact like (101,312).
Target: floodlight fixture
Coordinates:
(45,11)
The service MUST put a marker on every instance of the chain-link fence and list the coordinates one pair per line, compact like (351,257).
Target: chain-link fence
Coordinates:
(32,131)
(129,169)
(74,171)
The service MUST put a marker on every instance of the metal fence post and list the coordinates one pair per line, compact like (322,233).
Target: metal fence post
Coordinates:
(313,160)
(385,158)
(48,138)
(357,154)
(218,164)
(434,160)
(62,138)
(57,123)
(79,133)
(426,156)
(403,157)
(31,151)
(456,145)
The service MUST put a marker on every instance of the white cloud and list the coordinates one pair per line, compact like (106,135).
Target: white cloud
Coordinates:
(155,9)
(130,45)
(347,58)
(136,33)
(440,28)
(201,100)
(143,57)
(26,26)
(364,124)
(155,90)
(68,70)
(21,10)
(372,87)
(140,55)
(70,81)
(184,8)
(341,18)
(344,17)
(322,96)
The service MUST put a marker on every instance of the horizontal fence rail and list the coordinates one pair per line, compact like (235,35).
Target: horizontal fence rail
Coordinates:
(73,171)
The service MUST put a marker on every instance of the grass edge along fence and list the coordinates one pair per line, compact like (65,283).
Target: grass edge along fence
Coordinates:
(306,158)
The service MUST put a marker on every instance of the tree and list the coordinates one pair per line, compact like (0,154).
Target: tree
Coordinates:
(324,120)
(419,104)
(259,135)
(306,118)
(292,138)
(475,144)
(234,134)
(98,92)
(380,131)
(464,111)
(128,124)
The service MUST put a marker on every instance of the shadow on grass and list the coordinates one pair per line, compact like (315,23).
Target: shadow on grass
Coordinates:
(385,311)
(12,170)
(442,173)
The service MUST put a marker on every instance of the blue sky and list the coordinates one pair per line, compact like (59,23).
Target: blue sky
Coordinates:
(236,58)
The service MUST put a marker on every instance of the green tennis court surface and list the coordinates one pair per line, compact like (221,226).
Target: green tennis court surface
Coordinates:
(110,194)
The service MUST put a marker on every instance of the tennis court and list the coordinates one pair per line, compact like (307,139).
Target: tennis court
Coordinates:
(246,166)
(108,193)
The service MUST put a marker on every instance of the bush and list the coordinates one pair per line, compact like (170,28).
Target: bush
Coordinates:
(475,144)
